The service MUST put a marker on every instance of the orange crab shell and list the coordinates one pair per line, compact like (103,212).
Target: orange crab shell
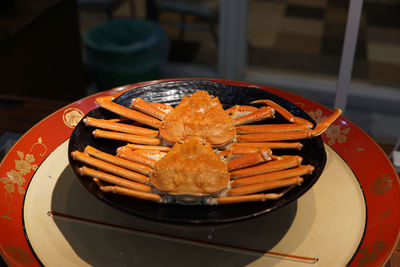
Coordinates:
(190,168)
(199,115)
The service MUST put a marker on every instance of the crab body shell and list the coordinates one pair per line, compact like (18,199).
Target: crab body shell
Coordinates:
(201,116)
(190,168)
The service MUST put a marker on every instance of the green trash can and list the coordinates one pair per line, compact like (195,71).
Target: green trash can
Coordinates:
(124,51)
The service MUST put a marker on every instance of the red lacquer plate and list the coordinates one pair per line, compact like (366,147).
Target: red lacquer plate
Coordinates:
(375,173)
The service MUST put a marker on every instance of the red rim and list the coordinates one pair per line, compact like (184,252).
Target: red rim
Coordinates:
(379,182)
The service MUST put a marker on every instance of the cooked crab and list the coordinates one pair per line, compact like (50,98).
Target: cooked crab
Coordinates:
(215,158)
(192,172)
(203,116)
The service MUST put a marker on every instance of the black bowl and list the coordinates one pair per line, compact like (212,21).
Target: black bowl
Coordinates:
(172,92)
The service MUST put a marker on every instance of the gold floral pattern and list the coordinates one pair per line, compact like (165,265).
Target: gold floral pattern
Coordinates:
(370,254)
(14,180)
(39,142)
(72,116)
(334,133)
(382,184)
(19,255)
(24,164)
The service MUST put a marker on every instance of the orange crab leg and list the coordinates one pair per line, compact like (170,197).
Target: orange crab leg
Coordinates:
(159,148)
(105,166)
(268,137)
(278,175)
(112,179)
(120,127)
(132,193)
(248,198)
(126,137)
(318,130)
(256,188)
(244,198)
(105,102)
(243,150)
(260,114)
(324,124)
(271,166)
(164,107)
(285,113)
(151,154)
(97,181)
(249,160)
(128,154)
(268,128)
(147,108)
(124,163)
(239,110)
(271,145)
(119,120)
(276,157)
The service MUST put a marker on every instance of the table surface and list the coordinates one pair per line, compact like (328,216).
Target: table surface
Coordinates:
(23,113)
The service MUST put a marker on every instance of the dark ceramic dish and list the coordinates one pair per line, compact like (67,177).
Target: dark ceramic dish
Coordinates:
(313,153)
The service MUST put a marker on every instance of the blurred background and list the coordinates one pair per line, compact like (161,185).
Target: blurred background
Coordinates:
(53,52)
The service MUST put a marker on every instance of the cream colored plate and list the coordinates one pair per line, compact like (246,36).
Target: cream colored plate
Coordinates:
(326,223)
